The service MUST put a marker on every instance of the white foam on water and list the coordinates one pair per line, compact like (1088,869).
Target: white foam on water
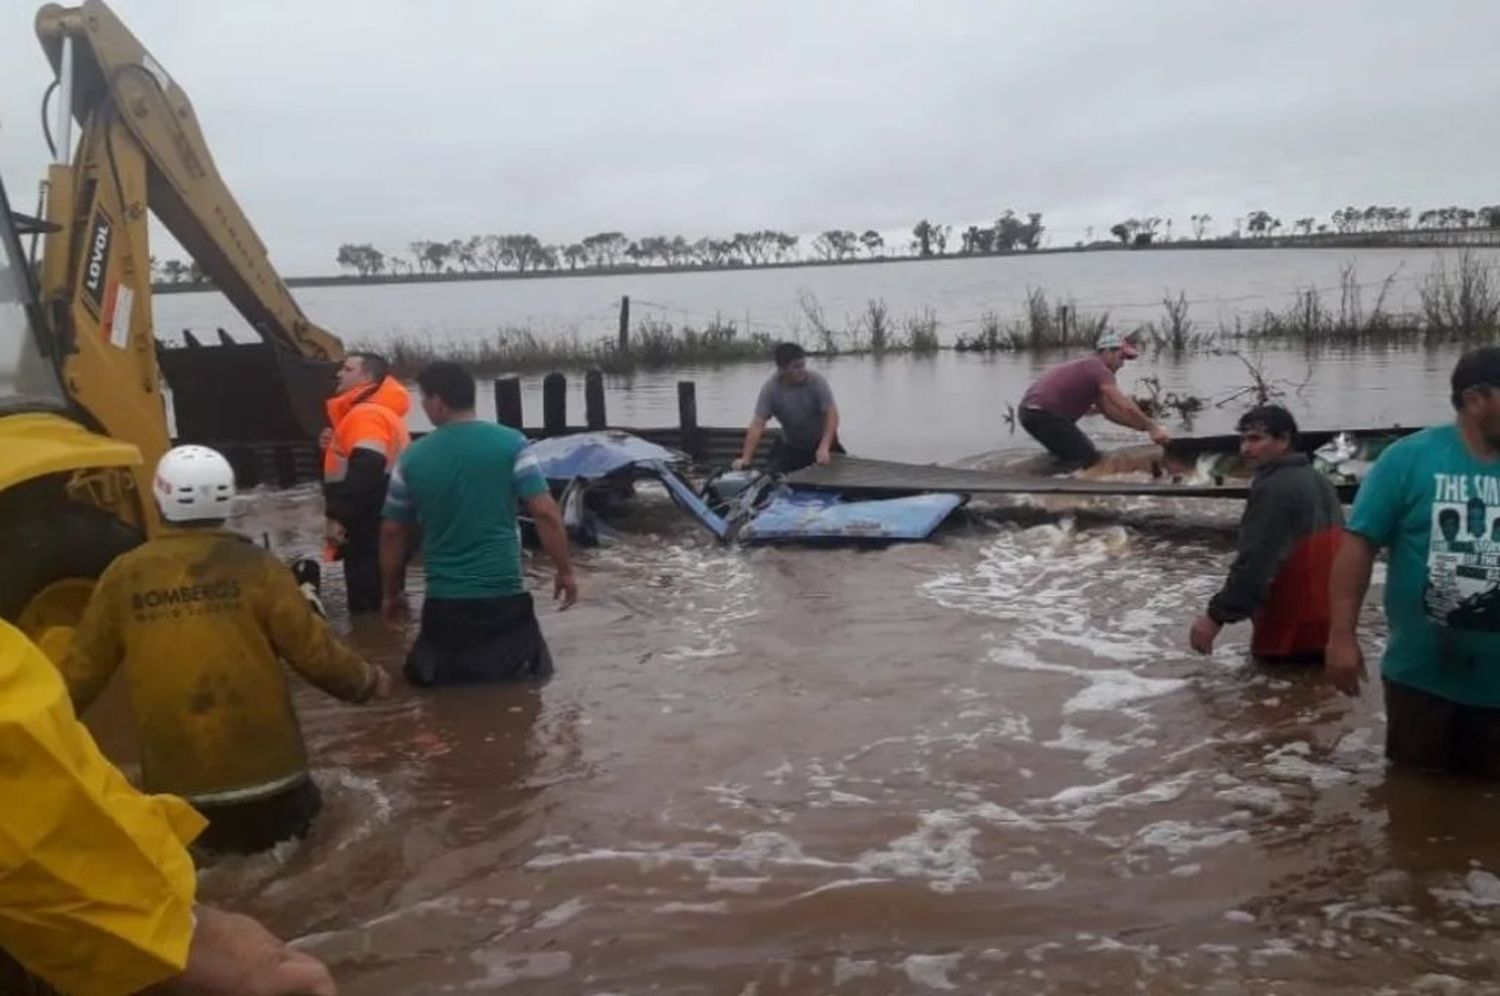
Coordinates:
(849,969)
(1178,837)
(1480,890)
(939,850)
(1290,763)
(559,915)
(502,968)
(1261,799)
(931,971)
(1105,689)
(719,907)
(1038,879)
(845,883)
(1088,801)
(368,791)
(739,886)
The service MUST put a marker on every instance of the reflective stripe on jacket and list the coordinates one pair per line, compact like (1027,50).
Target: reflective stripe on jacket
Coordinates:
(202,619)
(96,883)
(366,418)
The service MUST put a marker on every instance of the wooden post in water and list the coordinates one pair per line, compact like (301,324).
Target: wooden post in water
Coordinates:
(508,402)
(593,400)
(625,323)
(687,418)
(554,404)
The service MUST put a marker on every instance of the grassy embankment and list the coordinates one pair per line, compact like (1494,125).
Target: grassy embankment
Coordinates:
(1458,302)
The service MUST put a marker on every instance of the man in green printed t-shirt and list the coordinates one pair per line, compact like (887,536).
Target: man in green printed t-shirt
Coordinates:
(1433,498)
(461,484)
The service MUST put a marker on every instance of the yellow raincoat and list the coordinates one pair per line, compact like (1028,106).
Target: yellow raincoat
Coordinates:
(96,884)
(201,620)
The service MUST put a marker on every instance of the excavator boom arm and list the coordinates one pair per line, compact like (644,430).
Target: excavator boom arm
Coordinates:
(114,74)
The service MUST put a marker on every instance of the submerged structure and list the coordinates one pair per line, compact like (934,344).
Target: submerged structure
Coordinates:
(859,500)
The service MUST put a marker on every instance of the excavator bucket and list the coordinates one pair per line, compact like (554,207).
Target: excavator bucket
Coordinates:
(237,394)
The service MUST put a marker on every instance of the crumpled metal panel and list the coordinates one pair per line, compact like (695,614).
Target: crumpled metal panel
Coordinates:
(592,455)
(811,515)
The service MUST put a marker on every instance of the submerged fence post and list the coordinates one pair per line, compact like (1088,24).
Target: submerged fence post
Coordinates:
(554,404)
(625,323)
(593,400)
(687,418)
(508,402)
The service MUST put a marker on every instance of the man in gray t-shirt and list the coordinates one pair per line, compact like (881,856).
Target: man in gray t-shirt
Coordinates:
(802,403)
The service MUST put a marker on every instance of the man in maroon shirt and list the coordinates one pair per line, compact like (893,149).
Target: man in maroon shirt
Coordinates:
(1053,405)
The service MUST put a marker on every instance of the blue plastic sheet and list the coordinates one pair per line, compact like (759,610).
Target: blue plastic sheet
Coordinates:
(800,516)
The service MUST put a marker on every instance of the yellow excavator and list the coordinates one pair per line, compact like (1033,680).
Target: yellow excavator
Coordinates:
(82,412)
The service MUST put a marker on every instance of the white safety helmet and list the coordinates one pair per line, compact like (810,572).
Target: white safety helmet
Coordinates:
(192,483)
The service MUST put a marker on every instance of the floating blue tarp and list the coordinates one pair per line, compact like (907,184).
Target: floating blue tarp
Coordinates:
(802,516)
(593,455)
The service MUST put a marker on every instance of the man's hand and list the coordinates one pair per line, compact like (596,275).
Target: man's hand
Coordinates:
(1201,637)
(565,590)
(324,438)
(233,955)
(1159,435)
(394,610)
(823,456)
(1344,663)
(740,463)
(335,533)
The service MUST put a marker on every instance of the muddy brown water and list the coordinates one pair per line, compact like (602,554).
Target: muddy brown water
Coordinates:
(985,764)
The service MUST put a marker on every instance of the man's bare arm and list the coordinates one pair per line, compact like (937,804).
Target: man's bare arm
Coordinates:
(1349,581)
(554,536)
(753,433)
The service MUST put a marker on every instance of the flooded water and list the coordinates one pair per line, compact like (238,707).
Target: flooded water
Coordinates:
(983,764)
(951,406)
(1221,284)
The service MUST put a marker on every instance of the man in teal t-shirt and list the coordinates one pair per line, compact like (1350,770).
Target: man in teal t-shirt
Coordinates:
(1433,498)
(461,484)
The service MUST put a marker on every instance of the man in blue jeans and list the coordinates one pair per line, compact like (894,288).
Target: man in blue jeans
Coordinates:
(1441,668)
(461,484)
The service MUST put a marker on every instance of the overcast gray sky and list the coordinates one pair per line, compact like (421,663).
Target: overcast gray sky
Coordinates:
(385,121)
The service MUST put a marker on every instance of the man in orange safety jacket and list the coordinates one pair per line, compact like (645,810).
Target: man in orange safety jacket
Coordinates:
(368,420)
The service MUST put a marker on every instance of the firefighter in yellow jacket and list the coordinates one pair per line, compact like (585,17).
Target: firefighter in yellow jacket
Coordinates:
(97,887)
(201,618)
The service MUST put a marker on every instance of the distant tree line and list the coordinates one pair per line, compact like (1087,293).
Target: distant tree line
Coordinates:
(525,253)
(1348,220)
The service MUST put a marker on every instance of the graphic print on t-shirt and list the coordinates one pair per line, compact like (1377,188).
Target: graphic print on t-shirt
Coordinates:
(1463,560)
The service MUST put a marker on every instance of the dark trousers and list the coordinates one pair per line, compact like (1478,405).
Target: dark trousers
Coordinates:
(786,458)
(1429,732)
(362,567)
(259,824)
(469,640)
(1062,437)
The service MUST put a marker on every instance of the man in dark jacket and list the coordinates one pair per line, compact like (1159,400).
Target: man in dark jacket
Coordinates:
(1288,537)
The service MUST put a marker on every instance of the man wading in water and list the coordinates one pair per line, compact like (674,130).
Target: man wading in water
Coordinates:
(1052,406)
(1288,536)
(460,483)
(1441,668)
